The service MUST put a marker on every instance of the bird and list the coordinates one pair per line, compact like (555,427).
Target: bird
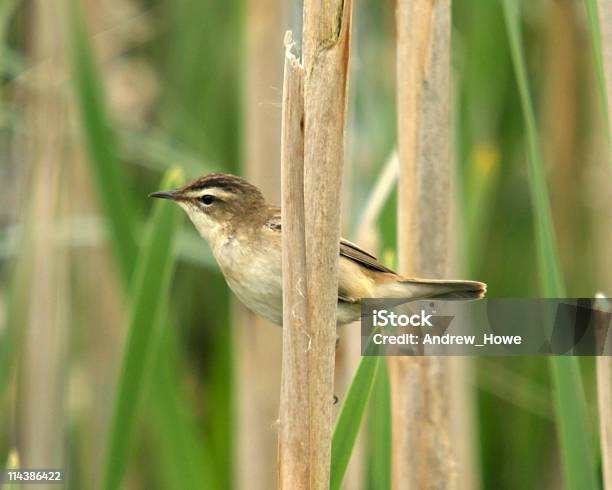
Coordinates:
(245,235)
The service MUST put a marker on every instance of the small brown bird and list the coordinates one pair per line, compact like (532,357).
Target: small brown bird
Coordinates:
(244,233)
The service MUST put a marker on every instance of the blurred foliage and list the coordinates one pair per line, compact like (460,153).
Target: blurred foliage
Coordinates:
(573,425)
(147,311)
(193,49)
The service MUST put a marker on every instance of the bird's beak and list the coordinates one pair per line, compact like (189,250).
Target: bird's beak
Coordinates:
(172,195)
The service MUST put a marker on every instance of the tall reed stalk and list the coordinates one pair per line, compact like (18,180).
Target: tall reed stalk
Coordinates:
(422,456)
(312,288)
(43,387)
(294,430)
(604,388)
(604,403)
(600,21)
(326,47)
(258,342)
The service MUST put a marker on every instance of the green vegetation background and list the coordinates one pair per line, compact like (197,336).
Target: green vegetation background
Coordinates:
(184,439)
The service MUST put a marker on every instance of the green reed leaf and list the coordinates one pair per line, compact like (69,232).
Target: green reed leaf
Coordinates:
(149,292)
(101,145)
(598,58)
(379,436)
(570,401)
(350,417)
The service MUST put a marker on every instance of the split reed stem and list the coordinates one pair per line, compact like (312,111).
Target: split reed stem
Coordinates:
(312,155)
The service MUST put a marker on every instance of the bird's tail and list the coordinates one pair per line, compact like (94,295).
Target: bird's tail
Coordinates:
(404,287)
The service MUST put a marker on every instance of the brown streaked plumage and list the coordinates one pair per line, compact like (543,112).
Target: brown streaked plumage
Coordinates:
(244,233)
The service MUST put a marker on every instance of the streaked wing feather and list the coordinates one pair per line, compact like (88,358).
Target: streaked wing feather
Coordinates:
(353,252)
(274,221)
(348,249)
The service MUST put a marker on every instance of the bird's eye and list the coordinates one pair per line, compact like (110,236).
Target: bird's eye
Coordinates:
(207,199)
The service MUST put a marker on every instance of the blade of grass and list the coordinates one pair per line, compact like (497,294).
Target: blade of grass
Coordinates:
(376,201)
(114,194)
(551,281)
(570,402)
(380,432)
(102,146)
(598,58)
(148,293)
(349,420)
(188,460)
(379,417)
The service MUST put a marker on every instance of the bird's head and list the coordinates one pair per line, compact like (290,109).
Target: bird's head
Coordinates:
(218,204)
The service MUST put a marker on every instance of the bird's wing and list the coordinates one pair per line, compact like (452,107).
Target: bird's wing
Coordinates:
(347,249)
(356,254)
(274,219)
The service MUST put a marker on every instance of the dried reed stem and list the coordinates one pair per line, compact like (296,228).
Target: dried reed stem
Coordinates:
(464,423)
(326,43)
(43,368)
(422,457)
(604,364)
(293,445)
(603,368)
(604,398)
(258,342)
(311,233)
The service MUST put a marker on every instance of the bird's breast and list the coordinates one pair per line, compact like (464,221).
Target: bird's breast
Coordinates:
(254,274)
(253,271)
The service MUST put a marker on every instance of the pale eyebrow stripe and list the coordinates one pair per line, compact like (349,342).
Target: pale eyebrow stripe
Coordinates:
(220,193)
